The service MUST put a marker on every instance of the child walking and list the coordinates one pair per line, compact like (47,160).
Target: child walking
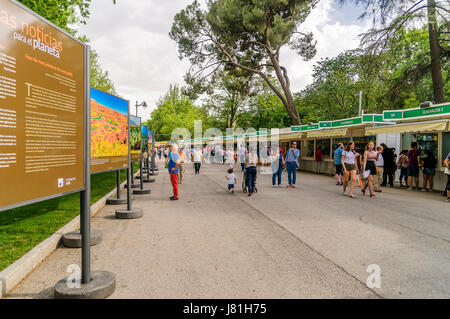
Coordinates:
(231,180)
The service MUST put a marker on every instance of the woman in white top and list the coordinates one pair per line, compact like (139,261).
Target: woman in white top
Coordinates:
(348,158)
(197,158)
(230,157)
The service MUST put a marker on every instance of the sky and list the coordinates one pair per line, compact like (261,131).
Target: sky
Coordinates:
(110,101)
(132,41)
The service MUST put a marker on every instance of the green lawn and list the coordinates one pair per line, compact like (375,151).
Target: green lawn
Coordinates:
(23,228)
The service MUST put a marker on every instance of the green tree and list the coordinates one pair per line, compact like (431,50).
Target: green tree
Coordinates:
(263,110)
(63,13)
(246,35)
(228,98)
(175,110)
(395,15)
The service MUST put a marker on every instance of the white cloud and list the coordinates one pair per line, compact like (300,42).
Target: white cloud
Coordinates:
(132,40)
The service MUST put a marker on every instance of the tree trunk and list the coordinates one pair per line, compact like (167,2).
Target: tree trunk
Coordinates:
(436,73)
(283,79)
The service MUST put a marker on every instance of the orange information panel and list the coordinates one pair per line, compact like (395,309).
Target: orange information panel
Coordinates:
(42,108)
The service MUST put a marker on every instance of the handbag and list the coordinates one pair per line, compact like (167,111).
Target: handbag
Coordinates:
(366,174)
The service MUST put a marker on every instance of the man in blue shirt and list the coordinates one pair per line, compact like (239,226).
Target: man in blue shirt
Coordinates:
(173,165)
(291,160)
(338,163)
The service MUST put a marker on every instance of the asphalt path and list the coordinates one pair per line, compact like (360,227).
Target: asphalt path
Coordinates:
(308,242)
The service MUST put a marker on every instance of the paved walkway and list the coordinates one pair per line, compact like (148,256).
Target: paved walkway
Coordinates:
(308,242)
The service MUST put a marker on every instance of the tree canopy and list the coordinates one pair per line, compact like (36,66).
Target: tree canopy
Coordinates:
(247,35)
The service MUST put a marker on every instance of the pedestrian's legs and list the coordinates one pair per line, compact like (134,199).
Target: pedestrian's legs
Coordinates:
(377,178)
(280,172)
(243,166)
(252,181)
(352,181)
(430,181)
(346,176)
(274,177)
(425,181)
(385,176)
(289,169)
(174,180)
(294,173)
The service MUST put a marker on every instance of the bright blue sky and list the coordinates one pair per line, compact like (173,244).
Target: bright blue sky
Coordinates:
(110,101)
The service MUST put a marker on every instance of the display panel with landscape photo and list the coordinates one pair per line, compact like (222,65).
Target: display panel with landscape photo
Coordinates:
(135,137)
(109,132)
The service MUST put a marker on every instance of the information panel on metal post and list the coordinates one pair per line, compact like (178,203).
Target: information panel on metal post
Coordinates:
(151,148)
(42,91)
(109,132)
(135,138)
(144,137)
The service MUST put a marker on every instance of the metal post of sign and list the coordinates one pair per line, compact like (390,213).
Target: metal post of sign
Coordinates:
(130,212)
(141,190)
(117,200)
(98,284)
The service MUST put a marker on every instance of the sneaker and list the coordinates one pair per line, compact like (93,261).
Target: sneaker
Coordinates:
(409,188)
(288,186)
(173,198)
(424,189)
(293,186)
(280,185)
(346,194)
(352,196)
(274,186)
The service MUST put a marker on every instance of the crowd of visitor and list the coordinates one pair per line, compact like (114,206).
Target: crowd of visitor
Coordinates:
(376,165)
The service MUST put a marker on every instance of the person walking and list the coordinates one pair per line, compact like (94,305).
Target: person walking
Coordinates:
(413,166)
(231,180)
(291,160)
(230,157)
(379,163)
(197,158)
(388,165)
(278,164)
(428,170)
(338,164)
(173,165)
(447,173)
(182,158)
(402,164)
(358,160)
(159,153)
(166,155)
(348,158)
(370,156)
(251,162)
(318,159)
(242,154)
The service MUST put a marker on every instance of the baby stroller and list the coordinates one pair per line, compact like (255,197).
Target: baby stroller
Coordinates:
(245,183)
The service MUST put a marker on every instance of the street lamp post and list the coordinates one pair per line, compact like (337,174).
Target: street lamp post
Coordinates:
(143,104)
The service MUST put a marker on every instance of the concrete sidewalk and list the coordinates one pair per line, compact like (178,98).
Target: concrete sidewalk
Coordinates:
(207,245)
(309,242)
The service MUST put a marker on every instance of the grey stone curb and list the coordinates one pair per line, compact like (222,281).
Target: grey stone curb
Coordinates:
(11,276)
